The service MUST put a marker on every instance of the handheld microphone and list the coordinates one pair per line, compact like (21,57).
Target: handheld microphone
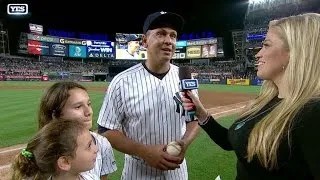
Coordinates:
(187,84)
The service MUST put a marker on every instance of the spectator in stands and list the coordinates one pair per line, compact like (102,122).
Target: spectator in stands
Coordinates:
(71,100)
(277,133)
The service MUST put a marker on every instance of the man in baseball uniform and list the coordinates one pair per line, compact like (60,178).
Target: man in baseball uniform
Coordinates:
(139,115)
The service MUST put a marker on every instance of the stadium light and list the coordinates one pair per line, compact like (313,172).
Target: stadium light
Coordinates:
(256,1)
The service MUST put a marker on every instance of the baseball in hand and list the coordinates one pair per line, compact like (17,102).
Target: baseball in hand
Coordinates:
(173,148)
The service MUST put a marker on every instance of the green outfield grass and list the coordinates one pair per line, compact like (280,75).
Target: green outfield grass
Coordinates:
(19,107)
(18,122)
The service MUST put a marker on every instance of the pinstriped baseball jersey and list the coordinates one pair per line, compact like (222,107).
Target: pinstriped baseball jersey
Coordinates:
(105,161)
(142,106)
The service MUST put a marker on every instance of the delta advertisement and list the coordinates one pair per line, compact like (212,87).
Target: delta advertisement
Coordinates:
(38,48)
(100,49)
(128,46)
(180,52)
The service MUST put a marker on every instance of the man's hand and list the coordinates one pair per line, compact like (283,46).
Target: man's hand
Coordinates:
(180,157)
(183,151)
(155,156)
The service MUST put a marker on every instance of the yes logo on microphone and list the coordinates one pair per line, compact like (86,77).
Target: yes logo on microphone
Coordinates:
(189,84)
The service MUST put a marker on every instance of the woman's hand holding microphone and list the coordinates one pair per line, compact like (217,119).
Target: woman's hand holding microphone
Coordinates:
(201,113)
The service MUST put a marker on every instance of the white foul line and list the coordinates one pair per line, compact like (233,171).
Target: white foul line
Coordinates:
(5,166)
(234,109)
(10,150)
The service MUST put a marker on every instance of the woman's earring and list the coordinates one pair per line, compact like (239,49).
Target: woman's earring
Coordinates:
(283,67)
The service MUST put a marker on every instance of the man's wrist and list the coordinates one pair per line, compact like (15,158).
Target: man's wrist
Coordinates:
(141,151)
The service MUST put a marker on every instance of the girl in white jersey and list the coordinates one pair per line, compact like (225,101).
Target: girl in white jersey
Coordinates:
(60,150)
(70,100)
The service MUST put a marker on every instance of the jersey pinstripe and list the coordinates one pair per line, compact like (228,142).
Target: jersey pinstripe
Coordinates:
(105,161)
(142,106)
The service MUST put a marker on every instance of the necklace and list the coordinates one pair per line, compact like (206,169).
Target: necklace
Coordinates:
(243,122)
(80,178)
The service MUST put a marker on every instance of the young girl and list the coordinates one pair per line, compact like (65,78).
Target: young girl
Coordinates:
(70,100)
(60,150)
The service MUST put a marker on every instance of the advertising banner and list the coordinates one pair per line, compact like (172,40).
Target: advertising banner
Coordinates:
(72,41)
(180,52)
(38,48)
(243,82)
(193,51)
(200,42)
(77,51)
(35,28)
(256,82)
(58,50)
(36,37)
(45,78)
(100,49)
(128,46)
(181,43)
(2,78)
(259,82)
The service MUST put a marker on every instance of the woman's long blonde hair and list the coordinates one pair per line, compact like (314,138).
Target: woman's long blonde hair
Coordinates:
(301,36)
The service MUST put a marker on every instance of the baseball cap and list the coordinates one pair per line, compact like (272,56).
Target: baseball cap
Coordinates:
(132,37)
(163,19)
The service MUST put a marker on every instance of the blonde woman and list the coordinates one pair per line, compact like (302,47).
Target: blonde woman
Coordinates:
(277,136)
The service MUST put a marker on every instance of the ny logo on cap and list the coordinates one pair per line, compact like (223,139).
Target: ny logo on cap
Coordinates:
(162,12)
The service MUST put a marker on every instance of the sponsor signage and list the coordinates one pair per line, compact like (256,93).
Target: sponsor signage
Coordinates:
(194,52)
(38,48)
(58,50)
(244,82)
(100,49)
(197,42)
(180,53)
(72,41)
(36,37)
(77,51)
(181,43)
(35,28)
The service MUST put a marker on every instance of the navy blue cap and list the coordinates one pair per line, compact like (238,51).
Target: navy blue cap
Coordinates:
(132,37)
(163,19)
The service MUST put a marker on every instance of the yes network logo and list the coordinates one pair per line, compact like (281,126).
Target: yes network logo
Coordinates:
(17,9)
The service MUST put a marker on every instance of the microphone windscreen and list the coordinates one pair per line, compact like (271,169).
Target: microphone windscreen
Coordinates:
(184,73)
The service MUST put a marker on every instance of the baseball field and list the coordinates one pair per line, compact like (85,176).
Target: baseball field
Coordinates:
(19,103)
